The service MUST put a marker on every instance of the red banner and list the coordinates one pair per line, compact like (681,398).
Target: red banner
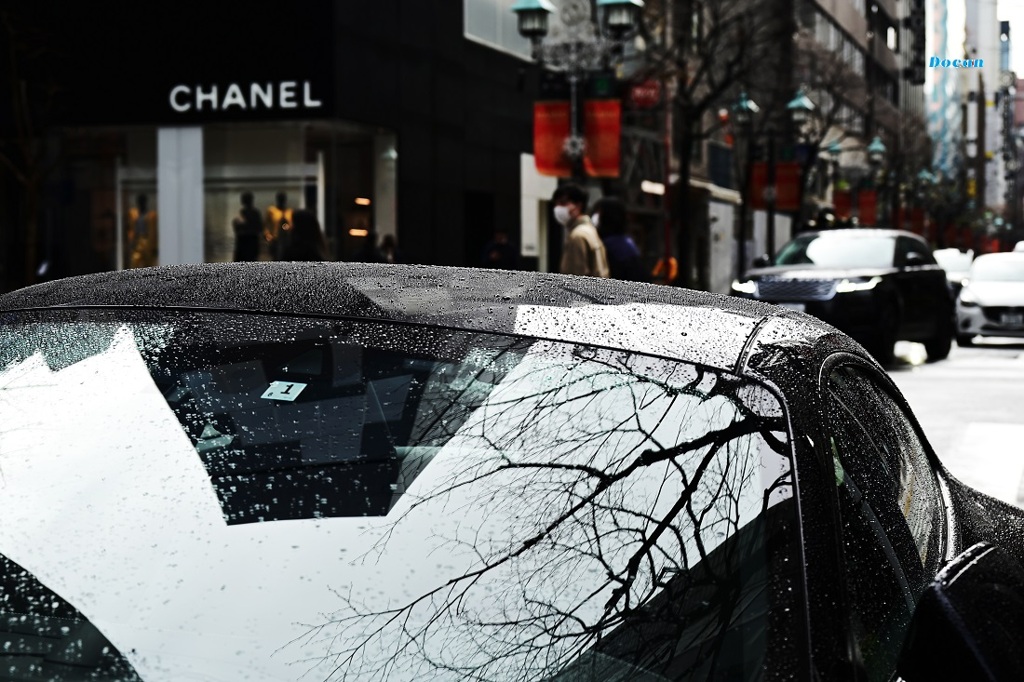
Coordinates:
(950,235)
(843,200)
(899,218)
(602,125)
(867,201)
(917,220)
(787,186)
(550,130)
(758,181)
(602,121)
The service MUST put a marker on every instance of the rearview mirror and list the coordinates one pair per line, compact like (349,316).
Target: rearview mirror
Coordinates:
(969,623)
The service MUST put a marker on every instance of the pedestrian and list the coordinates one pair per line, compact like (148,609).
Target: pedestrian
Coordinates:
(583,252)
(499,252)
(248,225)
(624,259)
(389,249)
(306,241)
(369,251)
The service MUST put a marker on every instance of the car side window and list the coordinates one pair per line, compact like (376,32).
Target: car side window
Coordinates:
(890,510)
(903,456)
(906,245)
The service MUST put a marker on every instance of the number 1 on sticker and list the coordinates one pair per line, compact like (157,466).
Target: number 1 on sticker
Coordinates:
(283,390)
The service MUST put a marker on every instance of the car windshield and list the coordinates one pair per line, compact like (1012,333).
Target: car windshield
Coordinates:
(838,250)
(994,268)
(218,496)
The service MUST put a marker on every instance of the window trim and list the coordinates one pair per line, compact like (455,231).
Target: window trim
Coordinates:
(946,548)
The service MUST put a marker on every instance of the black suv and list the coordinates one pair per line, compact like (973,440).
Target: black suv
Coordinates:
(878,286)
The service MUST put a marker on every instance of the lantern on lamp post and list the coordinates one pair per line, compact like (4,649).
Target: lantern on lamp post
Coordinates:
(581,47)
(533,18)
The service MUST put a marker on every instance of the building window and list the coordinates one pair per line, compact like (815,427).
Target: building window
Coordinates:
(892,39)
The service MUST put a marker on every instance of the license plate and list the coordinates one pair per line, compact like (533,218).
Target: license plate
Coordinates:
(799,307)
(1012,319)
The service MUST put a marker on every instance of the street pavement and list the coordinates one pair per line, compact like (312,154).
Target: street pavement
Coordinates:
(971,407)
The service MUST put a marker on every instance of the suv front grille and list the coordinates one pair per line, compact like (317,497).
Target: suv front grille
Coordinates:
(780,289)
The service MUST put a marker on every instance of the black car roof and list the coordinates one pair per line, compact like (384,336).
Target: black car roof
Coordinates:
(466,298)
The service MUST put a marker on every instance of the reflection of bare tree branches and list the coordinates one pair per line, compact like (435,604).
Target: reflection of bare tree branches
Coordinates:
(596,507)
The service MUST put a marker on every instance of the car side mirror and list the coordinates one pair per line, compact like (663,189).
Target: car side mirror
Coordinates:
(914,258)
(762,261)
(969,623)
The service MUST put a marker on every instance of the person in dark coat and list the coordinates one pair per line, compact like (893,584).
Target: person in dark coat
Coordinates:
(307,239)
(499,253)
(624,259)
(248,225)
(389,249)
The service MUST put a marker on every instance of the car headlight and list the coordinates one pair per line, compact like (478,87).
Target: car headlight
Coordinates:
(967,299)
(748,287)
(846,286)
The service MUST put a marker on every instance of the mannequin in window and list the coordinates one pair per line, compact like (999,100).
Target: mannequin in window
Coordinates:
(142,234)
(277,225)
(247,226)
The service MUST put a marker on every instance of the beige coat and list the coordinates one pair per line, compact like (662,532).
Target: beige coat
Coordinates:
(583,253)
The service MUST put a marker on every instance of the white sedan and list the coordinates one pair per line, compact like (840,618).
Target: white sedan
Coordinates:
(992,301)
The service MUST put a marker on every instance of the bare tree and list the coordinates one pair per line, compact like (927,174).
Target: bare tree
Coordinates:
(909,150)
(604,502)
(706,51)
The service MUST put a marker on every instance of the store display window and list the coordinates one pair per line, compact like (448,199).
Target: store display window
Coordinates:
(103,206)
(258,176)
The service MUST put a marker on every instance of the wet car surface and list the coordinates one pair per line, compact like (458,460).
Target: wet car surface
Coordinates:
(344,471)
(879,286)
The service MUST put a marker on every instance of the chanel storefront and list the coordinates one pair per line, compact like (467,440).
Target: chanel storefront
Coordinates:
(382,120)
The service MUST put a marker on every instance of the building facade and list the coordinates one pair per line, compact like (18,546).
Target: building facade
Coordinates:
(389,118)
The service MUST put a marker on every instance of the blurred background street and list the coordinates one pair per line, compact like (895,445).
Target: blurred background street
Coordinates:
(970,408)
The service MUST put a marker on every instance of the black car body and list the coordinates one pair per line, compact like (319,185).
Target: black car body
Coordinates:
(354,471)
(878,286)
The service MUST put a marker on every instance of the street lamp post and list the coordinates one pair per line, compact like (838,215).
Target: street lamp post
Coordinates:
(743,114)
(876,155)
(835,150)
(926,180)
(769,193)
(799,109)
(584,47)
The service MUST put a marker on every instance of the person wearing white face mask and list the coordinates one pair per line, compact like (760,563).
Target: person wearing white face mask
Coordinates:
(583,252)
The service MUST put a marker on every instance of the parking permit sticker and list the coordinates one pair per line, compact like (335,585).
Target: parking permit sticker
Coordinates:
(283,390)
